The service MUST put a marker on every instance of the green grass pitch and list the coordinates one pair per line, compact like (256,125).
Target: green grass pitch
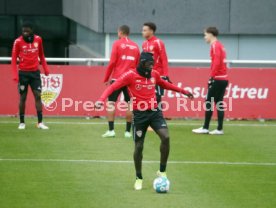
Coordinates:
(72,166)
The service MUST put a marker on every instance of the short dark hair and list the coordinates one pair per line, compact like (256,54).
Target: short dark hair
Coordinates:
(124,29)
(151,25)
(27,24)
(213,30)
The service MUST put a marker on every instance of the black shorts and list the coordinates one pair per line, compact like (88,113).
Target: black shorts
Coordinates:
(217,90)
(31,78)
(143,119)
(114,96)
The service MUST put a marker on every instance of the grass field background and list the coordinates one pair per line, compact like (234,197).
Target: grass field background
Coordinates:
(72,166)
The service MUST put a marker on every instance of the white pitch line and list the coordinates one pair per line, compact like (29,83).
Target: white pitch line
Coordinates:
(146,161)
(123,123)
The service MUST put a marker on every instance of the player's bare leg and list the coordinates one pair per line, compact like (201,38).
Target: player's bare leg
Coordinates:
(138,157)
(163,134)
(110,117)
(38,105)
(22,104)
(111,114)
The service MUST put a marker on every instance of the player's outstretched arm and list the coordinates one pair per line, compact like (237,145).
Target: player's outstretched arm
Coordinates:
(124,80)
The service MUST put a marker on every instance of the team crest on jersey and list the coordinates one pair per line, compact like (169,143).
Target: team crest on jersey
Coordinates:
(151,47)
(36,44)
(51,88)
(138,87)
(152,80)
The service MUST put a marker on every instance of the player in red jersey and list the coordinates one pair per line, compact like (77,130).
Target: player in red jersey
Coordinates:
(140,83)
(217,83)
(28,50)
(154,45)
(125,55)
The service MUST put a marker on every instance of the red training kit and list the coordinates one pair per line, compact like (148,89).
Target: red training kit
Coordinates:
(156,46)
(124,56)
(141,89)
(218,65)
(29,55)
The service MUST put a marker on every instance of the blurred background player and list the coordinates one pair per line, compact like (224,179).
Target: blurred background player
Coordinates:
(124,56)
(217,83)
(154,45)
(28,49)
(141,84)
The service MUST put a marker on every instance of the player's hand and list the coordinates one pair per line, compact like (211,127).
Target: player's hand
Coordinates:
(98,105)
(190,96)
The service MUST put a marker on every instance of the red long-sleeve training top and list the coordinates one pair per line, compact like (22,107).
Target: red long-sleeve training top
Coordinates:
(141,89)
(125,55)
(29,55)
(156,46)
(218,65)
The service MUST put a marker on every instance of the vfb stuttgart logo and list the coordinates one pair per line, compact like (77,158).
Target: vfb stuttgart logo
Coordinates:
(51,88)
